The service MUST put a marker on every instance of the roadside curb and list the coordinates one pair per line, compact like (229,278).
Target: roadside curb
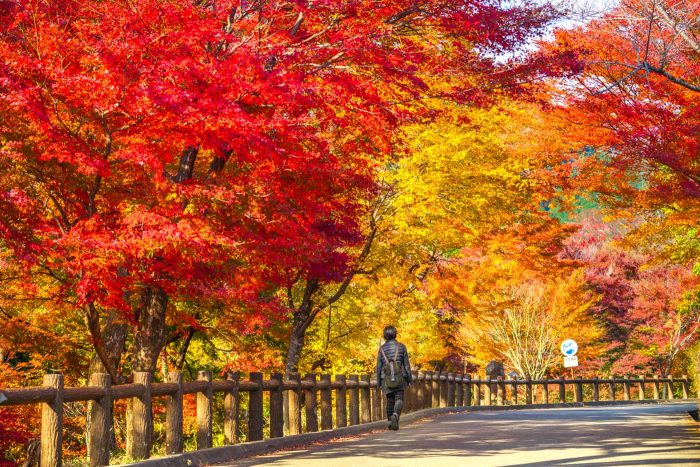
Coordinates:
(238,451)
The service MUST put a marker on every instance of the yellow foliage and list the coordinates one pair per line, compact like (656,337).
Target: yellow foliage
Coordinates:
(505,315)
(466,177)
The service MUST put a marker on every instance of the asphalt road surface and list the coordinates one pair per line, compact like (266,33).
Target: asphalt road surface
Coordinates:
(627,435)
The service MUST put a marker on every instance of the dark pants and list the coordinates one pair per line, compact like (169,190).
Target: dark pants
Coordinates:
(394,403)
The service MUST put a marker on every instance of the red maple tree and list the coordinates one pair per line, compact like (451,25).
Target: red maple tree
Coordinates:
(196,150)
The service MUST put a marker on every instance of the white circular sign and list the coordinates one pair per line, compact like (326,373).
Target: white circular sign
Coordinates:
(569,348)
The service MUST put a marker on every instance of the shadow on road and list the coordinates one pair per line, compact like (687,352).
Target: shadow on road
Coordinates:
(596,436)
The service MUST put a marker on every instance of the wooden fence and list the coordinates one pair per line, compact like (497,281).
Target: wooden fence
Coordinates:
(355,399)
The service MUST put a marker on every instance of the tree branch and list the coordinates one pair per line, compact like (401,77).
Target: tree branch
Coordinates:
(182,354)
(674,79)
(186,166)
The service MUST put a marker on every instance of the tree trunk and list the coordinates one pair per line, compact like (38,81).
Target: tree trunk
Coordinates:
(665,372)
(186,167)
(149,335)
(307,311)
(296,344)
(114,335)
(182,353)
(149,338)
(114,339)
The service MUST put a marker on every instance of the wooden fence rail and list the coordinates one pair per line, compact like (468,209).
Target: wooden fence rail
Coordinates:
(357,400)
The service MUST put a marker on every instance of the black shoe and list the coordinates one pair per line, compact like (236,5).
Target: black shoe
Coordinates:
(394,422)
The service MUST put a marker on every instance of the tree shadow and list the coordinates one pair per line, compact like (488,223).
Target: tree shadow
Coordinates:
(593,436)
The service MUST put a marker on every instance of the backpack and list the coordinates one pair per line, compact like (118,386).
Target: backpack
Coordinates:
(392,373)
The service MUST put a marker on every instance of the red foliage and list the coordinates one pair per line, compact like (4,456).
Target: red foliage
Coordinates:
(637,99)
(664,318)
(17,424)
(287,105)
(650,311)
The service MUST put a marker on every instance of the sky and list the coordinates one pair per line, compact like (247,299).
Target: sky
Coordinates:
(585,10)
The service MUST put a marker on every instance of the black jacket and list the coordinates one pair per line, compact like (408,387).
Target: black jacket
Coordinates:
(389,348)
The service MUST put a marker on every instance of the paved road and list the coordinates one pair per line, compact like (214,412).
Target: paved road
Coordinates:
(630,435)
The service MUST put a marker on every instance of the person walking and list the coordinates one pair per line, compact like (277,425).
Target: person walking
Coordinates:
(393,374)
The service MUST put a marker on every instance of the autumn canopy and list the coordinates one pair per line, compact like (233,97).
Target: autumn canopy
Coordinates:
(264,185)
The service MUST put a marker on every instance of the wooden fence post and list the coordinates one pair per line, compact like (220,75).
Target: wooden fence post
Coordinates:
(295,406)
(377,403)
(611,387)
(514,390)
(255,409)
(459,391)
(669,384)
(596,390)
(468,390)
(428,389)
(52,424)
(499,391)
(487,390)
(232,405)
(141,425)
(578,392)
(626,388)
(420,391)
(174,441)
(655,387)
(641,394)
(277,407)
(354,401)
(528,390)
(408,399)
(562,390)
(365,402)
(435,389)
(477,391)
(450,402)
(686,386)
(310,404)
(341,407)
(204,412)
(100,421)
(326,403)
(444,384)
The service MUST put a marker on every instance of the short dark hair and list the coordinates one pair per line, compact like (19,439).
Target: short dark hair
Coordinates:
(389,333)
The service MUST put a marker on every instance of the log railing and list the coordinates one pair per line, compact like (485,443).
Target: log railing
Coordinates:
(357,400)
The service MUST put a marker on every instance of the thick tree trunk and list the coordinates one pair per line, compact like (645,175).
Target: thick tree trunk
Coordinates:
(149,338)
(296,344)
(114,335)
(149,335)
(92,321)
